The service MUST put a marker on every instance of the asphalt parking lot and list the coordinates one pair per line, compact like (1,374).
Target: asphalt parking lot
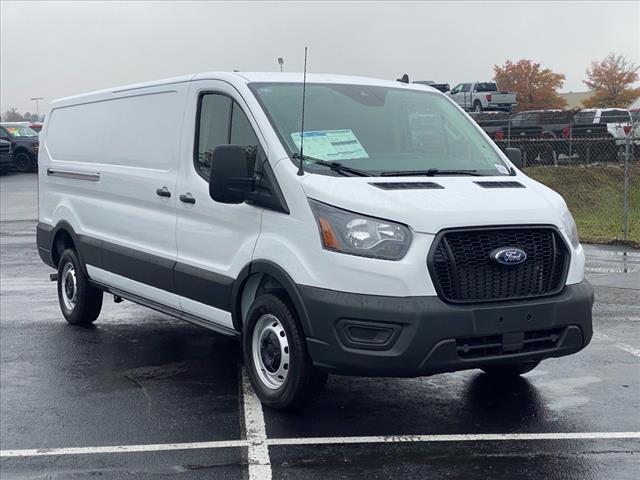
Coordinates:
(141,395)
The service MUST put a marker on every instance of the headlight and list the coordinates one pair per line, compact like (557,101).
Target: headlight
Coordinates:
(354,234)
(570,227)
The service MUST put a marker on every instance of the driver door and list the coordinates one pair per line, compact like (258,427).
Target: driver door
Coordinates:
(215,240)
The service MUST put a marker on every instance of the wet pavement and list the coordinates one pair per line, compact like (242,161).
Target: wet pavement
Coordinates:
(140,378)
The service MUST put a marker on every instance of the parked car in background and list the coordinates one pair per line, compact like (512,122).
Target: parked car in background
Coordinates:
(24,142)
(6,155)
(617,120)
(495,124)
(480,96)
(443,87)
(36,126)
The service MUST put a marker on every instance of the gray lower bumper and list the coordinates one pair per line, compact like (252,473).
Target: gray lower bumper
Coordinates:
(390,336)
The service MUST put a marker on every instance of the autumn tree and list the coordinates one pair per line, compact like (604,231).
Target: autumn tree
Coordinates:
(611,80)
(536,87)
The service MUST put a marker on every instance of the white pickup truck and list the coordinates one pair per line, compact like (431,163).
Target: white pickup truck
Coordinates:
(480,96)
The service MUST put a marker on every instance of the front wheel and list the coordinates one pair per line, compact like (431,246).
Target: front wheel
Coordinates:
(80,302)
(23,163)
(276,357)
(511,370)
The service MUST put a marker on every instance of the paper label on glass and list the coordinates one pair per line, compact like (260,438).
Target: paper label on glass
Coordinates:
(331,145)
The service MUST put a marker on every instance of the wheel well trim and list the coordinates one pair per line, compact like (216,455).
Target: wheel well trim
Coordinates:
(65,227)
(273,270)
(21,149)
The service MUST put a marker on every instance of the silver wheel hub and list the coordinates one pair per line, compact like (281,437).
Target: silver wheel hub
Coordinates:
(69,286)
(270,351)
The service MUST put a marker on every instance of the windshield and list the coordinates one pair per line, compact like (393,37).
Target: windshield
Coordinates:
(20,131)
(377,129)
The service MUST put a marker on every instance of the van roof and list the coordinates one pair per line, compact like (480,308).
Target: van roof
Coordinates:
(244,77)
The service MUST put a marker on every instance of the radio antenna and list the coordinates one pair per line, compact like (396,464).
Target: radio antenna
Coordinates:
(304,92)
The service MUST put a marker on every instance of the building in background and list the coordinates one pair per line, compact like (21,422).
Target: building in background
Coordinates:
(575,99)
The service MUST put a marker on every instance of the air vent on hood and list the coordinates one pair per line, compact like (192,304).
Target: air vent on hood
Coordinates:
(406,185)
(500,184)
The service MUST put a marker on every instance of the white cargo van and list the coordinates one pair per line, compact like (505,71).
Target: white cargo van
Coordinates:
(406,243)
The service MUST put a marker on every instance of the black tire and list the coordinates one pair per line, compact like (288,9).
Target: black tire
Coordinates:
(80,302)
(511,370)
(477,106)
(22,162)
(302,380)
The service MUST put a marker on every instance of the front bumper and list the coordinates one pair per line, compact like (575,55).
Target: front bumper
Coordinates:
(372,335)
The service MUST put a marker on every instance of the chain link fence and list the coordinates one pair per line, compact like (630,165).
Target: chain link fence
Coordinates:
(595,167)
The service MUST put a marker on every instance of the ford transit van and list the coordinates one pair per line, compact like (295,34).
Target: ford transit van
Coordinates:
(388,237)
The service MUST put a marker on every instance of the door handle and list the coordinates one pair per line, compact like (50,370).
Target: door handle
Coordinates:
(163,192)
(187,198)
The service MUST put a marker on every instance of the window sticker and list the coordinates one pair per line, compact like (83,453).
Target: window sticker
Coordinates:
(331,144)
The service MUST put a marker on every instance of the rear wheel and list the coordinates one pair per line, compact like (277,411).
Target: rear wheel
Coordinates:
(512,369)
(477,106)
(276,357)
(80,302)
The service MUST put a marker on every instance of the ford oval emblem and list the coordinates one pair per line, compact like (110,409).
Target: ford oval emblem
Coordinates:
(509,256)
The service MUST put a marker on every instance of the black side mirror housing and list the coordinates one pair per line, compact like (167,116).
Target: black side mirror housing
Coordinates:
(515,156)
(230,180)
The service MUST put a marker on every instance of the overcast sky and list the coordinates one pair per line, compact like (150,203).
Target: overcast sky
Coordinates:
(54,49)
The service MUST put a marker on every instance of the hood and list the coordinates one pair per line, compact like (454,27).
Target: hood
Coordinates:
(461,202)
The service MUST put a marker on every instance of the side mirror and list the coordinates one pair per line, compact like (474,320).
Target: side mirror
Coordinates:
(230,180)
(515,156)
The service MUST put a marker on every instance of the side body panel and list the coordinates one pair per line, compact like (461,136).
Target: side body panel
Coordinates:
(100,170)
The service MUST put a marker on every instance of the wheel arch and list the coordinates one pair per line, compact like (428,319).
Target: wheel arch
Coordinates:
(265,274)
(21,149)
(63,236)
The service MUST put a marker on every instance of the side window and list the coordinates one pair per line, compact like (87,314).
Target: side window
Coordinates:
(466,87)
(213,130)
(222,122)
(456,89)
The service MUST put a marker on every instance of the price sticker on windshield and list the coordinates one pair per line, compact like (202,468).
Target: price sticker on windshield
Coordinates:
(330,144)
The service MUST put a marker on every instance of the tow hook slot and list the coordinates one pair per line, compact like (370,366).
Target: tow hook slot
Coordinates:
(512,342)
(53,277)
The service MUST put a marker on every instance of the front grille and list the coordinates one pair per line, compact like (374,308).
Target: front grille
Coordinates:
(464,272)
(492,346)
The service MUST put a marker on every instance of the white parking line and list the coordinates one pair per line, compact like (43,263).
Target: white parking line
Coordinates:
(465,437)
(619,345)
(158,447)
(254,426)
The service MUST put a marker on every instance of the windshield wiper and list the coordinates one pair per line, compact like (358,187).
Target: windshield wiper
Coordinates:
(335,166)
(431,172)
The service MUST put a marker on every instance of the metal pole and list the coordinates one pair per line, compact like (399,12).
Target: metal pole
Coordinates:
(570,141)
(37,105)
(625,212)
